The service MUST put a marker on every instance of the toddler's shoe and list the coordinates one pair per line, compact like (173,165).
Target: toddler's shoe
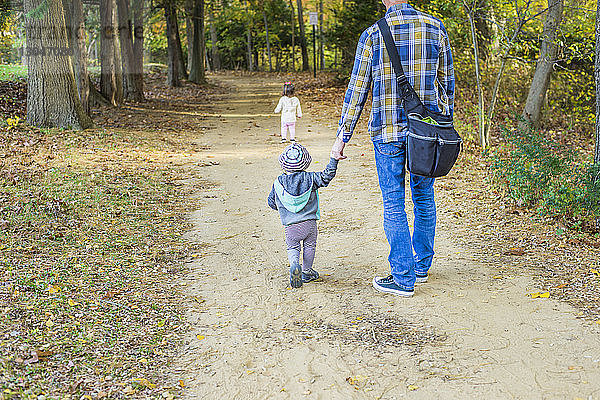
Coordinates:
(387,285)
(295,275)
(309,275)
(292,140)
(283,140)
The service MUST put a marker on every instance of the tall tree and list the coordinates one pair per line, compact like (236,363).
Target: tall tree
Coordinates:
(198,48)
(302,37)
(214,49)
(138,46)
(117,54)
(52,99)
(543,71)
(130,84)
(249,37)
(180,59)
(293,23)
(267,37)
(597,76)
(76,32)
(172,55)
(321,50)
(108,78)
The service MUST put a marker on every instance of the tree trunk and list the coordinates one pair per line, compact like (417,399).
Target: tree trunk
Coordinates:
(249,39)
(543,71)
(52,99)
(197,74)
(138,47)
(76,31)
(293,21)
(172,61)
(216,57)
(268,42)
(480,101)
(597,75)
(108,79)
(189,29)
(127,58)
(483,28)
(302,37)
(117,55)
(321,50)
(180,59)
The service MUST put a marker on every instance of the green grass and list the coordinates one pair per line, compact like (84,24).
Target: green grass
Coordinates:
(12,72)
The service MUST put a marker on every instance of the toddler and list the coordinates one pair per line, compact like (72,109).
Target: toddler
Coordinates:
(290,108)
(294,195)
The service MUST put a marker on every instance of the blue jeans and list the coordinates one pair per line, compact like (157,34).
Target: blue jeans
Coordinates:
(405,264)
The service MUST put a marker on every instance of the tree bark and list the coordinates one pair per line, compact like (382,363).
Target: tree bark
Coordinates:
(197,74)
(131,92)
(138,47)
(172,61)
(268,42)
(293,21)
(321,48)
(76,31)
(108,79)
(480,100)
(216,57)
(117,55)
(52,99)
(189,29)
(543,71)
(249,39)
(597,76)
(302,37)
(180,59)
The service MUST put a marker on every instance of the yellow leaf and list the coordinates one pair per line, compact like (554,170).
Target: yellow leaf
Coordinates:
(72,303)
(497,277)
(200,337)
(49,323)
(595,272)
(181,383)
(53,289)
(161,322)
(144,360)
(543,295)
(412,387)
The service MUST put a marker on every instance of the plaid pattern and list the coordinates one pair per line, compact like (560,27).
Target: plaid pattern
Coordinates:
(426,56)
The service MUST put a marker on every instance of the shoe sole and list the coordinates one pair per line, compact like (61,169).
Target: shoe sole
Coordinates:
(295,276)
(422,279)
(391,291)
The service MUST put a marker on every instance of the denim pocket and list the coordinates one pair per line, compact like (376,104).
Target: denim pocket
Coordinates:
(394,149)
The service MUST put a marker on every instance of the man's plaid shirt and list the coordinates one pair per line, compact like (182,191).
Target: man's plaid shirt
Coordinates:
(426,56)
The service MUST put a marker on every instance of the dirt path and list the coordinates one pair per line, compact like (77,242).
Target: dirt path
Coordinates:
(463,335)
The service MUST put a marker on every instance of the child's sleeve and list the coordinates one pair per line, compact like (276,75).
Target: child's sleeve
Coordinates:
(322,179)
(271,199)
(279,105)
(299,110)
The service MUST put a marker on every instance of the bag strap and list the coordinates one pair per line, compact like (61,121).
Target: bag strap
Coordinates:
(390,45)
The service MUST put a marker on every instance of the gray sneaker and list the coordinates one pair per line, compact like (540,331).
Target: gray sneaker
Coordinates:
(295,275)
(309,275)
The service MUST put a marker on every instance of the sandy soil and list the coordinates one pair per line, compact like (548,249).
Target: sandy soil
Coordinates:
(463,335)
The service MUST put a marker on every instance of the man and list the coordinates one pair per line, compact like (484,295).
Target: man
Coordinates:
(424,49)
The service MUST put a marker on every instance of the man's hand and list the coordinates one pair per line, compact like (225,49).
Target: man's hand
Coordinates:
(337,151)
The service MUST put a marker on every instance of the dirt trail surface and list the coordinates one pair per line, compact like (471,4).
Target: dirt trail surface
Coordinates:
(463,335)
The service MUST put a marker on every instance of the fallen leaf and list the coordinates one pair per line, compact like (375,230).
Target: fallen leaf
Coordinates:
(181,383)
(515,251)
(412,387)
(543,295)
(595,272)
(49,323)
(72,303)
(53,289)
(200,337)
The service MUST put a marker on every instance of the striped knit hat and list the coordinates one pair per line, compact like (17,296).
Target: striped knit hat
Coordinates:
(294,158)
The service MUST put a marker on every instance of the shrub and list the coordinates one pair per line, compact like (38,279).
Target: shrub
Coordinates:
(548,177)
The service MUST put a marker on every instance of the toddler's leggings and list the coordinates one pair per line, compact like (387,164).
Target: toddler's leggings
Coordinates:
(306,233)
(284,128)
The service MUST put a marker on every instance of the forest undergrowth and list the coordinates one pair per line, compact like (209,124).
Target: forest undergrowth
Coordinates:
(91,239)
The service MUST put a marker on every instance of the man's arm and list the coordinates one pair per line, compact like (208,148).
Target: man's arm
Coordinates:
(358,88)
(271,199)
(322,179)
(445,72)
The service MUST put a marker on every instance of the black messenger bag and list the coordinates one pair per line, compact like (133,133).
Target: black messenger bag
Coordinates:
(432,145)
